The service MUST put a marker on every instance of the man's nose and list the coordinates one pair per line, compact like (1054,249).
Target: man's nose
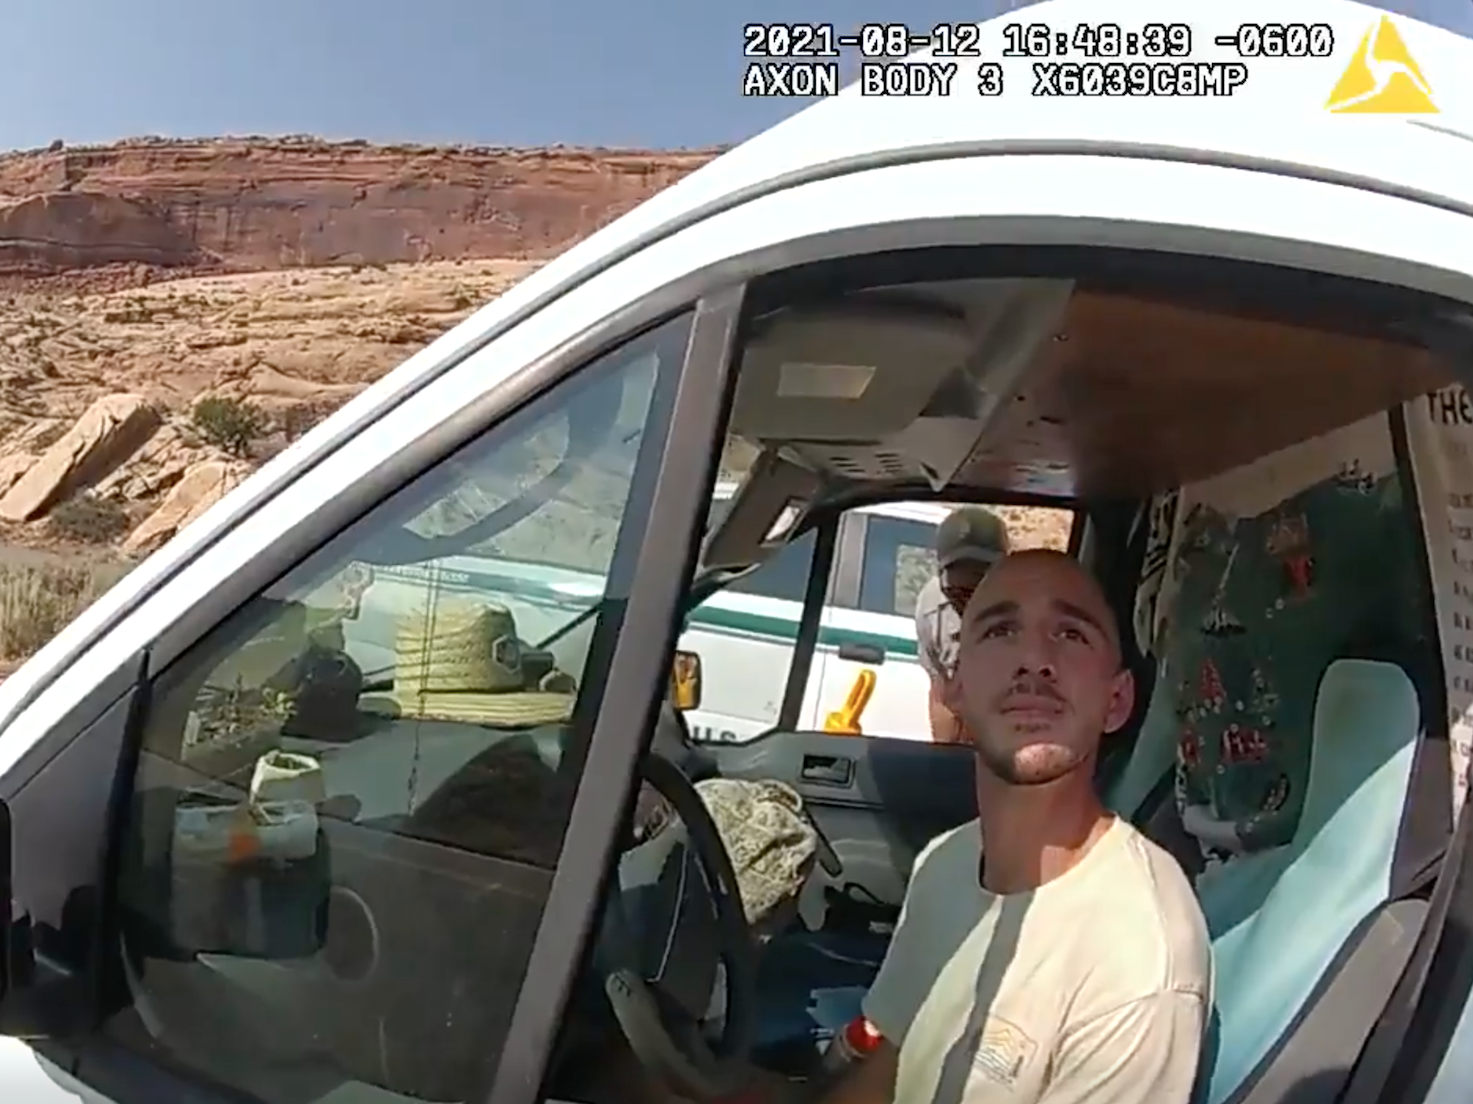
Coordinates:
(1036,656)
(1043,670)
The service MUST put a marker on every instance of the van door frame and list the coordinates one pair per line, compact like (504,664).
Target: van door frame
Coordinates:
(536,1018)
(662,542)
(839,548)
(822,581)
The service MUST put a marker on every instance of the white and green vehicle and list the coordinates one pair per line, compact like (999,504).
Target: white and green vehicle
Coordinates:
(746,632)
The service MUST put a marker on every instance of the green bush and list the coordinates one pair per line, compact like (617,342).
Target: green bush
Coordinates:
(88,519)
(229,424)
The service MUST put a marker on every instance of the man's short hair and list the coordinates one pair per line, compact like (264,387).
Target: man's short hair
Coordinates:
(971,534)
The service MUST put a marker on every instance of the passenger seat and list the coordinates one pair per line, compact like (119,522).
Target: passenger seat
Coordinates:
(1284,919)
(1281,748)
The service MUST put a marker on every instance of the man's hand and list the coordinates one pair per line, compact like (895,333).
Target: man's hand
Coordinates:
(946,728)
(870,1081)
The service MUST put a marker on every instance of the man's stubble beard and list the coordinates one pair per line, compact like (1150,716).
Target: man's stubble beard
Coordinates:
(1037,765)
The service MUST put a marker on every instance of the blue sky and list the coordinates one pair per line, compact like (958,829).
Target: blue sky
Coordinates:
(655,73)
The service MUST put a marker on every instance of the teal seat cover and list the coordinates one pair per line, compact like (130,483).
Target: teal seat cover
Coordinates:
(1283,708)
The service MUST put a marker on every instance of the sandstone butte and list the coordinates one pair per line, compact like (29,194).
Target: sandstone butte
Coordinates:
(142,276)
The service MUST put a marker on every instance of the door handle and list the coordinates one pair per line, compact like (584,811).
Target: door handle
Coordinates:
(856,652)
(827,770)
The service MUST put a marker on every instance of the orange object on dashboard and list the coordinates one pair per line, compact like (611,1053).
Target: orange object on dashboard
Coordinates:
(844,721)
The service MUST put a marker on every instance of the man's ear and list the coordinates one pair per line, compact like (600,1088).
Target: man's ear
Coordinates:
(1122,701)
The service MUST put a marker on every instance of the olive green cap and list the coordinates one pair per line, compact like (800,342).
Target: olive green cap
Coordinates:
(971,534)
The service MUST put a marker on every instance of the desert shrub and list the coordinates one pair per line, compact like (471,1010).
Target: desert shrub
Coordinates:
(36,603)
(228,424)
(88,519)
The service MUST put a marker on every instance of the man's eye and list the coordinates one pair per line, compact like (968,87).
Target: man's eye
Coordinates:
(1078,636)
(995,630)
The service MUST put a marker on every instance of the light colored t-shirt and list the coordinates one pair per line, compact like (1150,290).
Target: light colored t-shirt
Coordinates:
(938,630)
(1094,988)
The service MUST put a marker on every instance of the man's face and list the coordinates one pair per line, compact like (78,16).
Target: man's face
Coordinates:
(960,580)
(1039,678)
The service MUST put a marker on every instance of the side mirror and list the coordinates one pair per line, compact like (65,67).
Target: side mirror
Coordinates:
(32,1005)
(685,681)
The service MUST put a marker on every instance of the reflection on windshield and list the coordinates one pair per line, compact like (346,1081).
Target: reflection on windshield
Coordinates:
(568,492)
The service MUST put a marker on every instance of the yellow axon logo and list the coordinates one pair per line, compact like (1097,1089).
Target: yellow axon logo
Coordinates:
(1382,78)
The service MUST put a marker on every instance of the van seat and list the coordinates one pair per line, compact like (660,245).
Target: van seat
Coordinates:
(1284,603)
(1279,918)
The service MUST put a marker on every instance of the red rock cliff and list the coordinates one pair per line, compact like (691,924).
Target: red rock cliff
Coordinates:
(241,204)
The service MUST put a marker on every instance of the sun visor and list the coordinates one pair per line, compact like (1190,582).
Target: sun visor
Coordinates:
(890,389)
(845,372)
(772,501)
(1016,325)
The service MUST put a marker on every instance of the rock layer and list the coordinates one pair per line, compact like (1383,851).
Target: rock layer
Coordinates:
(251,204)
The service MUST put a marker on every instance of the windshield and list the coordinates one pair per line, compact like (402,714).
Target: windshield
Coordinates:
(522,520)
(737,457)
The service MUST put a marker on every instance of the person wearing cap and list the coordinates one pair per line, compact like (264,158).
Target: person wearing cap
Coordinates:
(968,543)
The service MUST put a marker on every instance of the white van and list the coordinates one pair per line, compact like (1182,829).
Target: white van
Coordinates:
(1234,334)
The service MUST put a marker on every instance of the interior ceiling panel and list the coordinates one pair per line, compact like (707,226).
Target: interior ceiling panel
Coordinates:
(1134,396)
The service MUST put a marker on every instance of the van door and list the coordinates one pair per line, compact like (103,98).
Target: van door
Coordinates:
(318,947)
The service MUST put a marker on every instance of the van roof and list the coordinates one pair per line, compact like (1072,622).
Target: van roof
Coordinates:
(932,513)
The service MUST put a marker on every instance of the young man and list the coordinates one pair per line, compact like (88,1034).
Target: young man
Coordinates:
(1074,966)
(968,542)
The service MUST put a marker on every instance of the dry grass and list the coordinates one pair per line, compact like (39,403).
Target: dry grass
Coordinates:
(37,602)
(87,519)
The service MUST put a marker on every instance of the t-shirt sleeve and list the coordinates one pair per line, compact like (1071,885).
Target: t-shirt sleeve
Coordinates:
(1144,1052)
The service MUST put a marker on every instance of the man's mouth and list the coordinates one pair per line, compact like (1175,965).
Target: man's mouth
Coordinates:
(1032,704)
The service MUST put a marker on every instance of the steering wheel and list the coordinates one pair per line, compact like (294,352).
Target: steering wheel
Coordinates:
(675,917)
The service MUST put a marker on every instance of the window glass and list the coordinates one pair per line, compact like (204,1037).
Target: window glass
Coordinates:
(747,647)
(784,576)
(900,553)
(899,558)
(352,794)
(747,650)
